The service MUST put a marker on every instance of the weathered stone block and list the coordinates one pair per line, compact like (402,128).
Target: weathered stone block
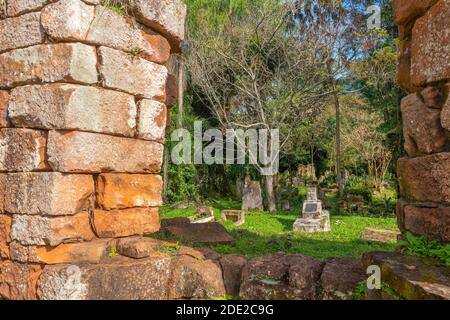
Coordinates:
(23,31)
(22,150)
(91,152)
(118,191)
(18,281)
(138,247)
(422,128)
(51,231)
(121,279)
(4,100)
(171,91)
(406,10)
(281,276)
(152,120)
(83,252)
(67,20)
(412,277)
(433,223)
(445,114)
(47,193)
(16,7)
(5,238)
(73,107)
(72,62)
(128,222)
(340,277)
(232,266)
(431,45)
(120,70)
(165,16)
(113,30)
(425,179)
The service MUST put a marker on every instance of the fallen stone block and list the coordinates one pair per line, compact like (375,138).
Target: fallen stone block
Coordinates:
(138,247)
(340,277)
(379,235)
(281,276)
(209,233)
(232,266)
(411,277)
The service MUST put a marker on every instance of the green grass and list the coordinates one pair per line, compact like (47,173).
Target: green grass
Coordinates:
(265,233)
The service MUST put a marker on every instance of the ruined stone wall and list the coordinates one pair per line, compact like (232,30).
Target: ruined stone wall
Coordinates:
(424,71)
(83,110)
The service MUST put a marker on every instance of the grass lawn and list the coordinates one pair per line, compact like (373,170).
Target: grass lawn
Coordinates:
(265,233)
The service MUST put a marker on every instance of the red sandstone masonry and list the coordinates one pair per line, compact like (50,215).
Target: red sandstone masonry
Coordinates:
(82,93)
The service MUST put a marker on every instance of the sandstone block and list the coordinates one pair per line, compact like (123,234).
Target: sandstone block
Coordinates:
(5,238)
(23,31)
(152,120)
(73,107)
(22,150)
(122,71)
(425,179)
(67,19)
(445,114)
(83,252)
(120,279)
(92,152)
(72,62)
(406,10)
(4,100)
(281,276)
(47,193)
(113,30)
(340,277)
(118,191)
(18,281)
(195,278)
(422,128)
(232,265)
(51,231)
(411,277)
(433,223)
(165,16)
(138,247)
(431,45)
(124,223)
(16,7)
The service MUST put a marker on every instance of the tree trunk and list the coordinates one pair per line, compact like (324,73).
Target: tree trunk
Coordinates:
(338,130)
(271,200)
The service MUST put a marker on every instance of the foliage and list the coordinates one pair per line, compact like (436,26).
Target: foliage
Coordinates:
(421,246)
(360,292)
(112,252)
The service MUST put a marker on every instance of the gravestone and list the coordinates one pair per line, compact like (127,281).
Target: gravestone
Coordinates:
(313,218)
(203,214)
(252,196)
(237,216)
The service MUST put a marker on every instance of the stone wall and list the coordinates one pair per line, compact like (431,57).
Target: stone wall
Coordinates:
(83,111)
(424,71)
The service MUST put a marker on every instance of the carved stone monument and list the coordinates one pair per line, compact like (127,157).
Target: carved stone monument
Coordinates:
(313,218)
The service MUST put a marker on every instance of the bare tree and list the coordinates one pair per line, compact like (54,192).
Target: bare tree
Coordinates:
(260,72)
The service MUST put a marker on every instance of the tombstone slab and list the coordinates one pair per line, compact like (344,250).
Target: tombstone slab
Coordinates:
(208,233)
(237,216)
(252,196)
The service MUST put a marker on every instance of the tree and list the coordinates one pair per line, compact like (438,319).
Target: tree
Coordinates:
(259,72)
